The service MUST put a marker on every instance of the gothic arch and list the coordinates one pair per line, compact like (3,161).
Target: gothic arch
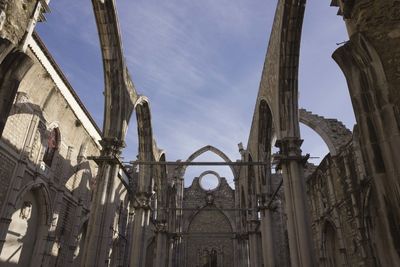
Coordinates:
(192,217)
(146,147)
(43,195)
(120,93)
(13,69)
(265,139)
(333,132)
(81,170)
(33,201)
(280,73)
(331,244)
(212,149)
(21,107)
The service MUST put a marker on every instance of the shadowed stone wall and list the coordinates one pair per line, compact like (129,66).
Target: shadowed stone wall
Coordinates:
(209,225)
(52,198)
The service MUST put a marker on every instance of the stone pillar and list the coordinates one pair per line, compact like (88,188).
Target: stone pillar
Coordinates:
(267,240)
(99,234)
(299,232)
(142,216)
(179,241)
(171,242)
(161,243)
(129,232)
(243,240)
(253,240)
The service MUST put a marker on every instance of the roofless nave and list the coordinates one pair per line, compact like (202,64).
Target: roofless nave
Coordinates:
(66,199)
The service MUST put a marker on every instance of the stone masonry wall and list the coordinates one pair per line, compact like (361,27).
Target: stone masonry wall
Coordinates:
(337,194)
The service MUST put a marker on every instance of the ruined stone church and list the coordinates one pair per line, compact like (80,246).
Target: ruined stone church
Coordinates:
(67,199)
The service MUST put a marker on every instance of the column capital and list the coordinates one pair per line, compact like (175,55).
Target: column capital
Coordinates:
(111,146)
(289,151)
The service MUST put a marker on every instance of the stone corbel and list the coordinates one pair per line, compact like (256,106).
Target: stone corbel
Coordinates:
(161,227)
(142,201)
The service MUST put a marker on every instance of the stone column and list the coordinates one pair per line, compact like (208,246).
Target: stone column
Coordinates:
(142,216)
(99,234)
(161,243)
(171,251)
(253,240)
(267,240)
(242,240)
(129,231)
(179,241)
(299,232)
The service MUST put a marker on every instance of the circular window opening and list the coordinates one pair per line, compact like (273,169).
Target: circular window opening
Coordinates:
(209,182)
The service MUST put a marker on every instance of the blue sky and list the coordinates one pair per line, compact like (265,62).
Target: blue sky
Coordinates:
(199,63)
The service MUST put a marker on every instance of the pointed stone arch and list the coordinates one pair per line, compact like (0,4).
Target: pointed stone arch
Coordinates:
(31,209)
(145,142)
(333,132)
(211,149)
(193,216)
(13,69)
(120,93)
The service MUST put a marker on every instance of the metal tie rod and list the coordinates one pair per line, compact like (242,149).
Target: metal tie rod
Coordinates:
(199,163)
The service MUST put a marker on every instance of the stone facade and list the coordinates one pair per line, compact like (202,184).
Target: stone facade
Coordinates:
(208,225)
(45,174)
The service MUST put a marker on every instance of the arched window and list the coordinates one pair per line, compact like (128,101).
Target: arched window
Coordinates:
(332,247)
(52,146)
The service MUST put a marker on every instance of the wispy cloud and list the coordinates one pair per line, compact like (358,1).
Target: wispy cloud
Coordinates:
(200,63)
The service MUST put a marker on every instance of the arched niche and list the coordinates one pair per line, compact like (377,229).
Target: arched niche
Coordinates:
(26,232)
(331,245)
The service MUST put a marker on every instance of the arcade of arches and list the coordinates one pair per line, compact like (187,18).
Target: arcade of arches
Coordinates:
(66,199)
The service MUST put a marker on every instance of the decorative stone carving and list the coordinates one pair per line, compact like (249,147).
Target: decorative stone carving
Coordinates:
(26,209)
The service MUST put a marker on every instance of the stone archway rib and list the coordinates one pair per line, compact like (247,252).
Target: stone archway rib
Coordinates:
(333,132)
